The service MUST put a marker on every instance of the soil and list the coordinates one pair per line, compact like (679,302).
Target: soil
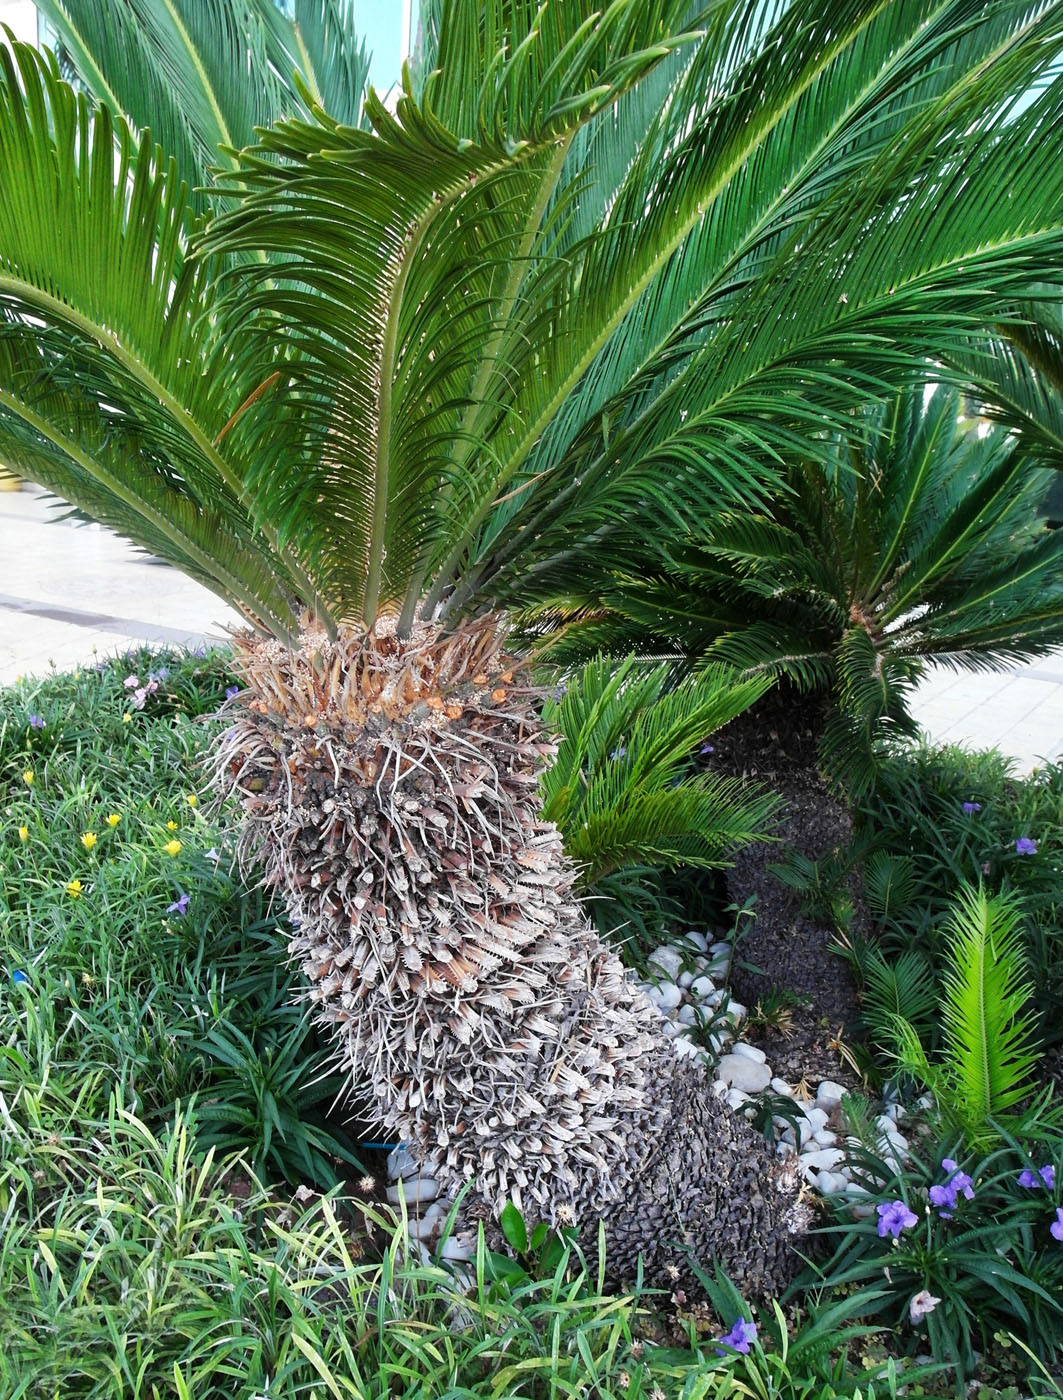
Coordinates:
(784,953)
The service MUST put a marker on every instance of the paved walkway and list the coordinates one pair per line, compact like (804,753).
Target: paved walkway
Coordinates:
(69,592)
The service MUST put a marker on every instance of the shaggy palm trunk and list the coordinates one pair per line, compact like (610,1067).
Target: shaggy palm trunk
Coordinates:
(390,791)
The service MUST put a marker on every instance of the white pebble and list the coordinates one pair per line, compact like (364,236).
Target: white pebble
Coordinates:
(825,1138)
(458,1248)
(736,1010)
(685,979)
(670,1029)
(781,1087)
(688,1015)
(743,1073)
(702,987)
(735,1098)
(665,962)
(816,1119)
(829,1184)
(683,1046)
(669,996)
(720,950)
(420,1229)
(699,940)
(751,1052)
(415,1190)
(784,1150)
(804,1131)
(825,1160)
(717,1088)
(829,1094)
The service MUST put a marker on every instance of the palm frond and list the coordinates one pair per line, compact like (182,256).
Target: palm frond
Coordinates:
(168,66)
(989,1042)
(622,787)
(895,988)
(99,298)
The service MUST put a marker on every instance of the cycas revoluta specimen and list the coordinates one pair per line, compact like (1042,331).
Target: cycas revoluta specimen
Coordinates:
(913,538)
(394,372)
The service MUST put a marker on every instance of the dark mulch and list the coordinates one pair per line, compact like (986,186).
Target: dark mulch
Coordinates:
(783,949)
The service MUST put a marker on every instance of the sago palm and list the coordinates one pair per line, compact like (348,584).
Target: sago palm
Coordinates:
(384,374)
(912,539)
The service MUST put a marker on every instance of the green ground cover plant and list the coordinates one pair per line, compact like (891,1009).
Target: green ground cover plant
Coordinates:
(143,956)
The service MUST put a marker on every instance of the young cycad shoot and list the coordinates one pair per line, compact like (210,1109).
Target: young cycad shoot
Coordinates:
(377,376)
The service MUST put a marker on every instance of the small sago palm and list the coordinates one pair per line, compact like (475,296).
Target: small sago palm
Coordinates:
(375,376)
(914,539)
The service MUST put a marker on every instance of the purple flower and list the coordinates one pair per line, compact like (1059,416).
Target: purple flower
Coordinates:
(618,752)
(1056,1230)
(739,1337)
(1026,846)
(131,682)
(559,694)
(19,978)
(893,1217)
(708,748)
(971,807)
(231,692)
(36,721)
(1044,1176)
(946,1195)
(213,854)
(179,906)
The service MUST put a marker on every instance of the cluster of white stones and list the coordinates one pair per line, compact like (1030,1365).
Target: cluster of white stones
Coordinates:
(686,982)
(687,987)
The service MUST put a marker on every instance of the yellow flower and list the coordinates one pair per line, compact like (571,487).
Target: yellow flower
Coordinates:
(171,826)
(27,777)
(74,888)
(88,840)
(193,800)
(172,848)
(113,818)
(127,718)
(23,833)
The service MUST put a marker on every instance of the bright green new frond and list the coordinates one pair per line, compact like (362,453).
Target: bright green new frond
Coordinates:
(989,1041)
(988,1049)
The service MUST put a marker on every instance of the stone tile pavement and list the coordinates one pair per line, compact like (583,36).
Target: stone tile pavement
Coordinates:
(69,592)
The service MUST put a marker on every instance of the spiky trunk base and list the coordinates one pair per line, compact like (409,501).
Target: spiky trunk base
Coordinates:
(390,791)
